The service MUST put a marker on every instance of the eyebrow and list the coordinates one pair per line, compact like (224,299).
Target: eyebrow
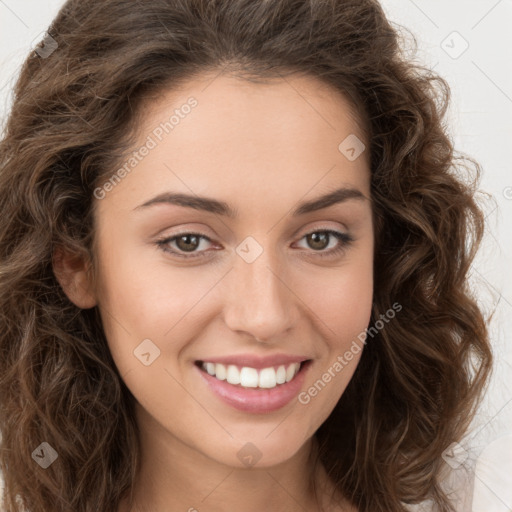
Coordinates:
(207,204)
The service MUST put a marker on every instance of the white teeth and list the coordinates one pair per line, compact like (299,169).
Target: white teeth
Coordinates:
(268,378)
(247,377)
(233,375)
(220,371)
(291,371)
(281,375)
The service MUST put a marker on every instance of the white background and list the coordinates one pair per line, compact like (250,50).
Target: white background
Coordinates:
(480,118)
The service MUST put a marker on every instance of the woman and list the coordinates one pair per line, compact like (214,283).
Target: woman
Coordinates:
(234,257)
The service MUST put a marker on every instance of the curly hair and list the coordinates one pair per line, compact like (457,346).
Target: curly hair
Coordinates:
(74,115)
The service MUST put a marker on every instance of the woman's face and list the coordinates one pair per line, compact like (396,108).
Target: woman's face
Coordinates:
(244,278)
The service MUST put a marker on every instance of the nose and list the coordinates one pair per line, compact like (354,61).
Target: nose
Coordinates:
(260,303)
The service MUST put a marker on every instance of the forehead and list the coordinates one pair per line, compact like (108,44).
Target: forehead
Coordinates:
(295,106)
(221,136)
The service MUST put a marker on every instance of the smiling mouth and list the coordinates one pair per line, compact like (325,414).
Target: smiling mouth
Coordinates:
(247,377)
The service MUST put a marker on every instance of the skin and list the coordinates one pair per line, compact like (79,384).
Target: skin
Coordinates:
(263,149)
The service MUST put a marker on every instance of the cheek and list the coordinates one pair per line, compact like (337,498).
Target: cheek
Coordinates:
(142,299)
(342,299)
(349,306)
(349,320)
(343,305)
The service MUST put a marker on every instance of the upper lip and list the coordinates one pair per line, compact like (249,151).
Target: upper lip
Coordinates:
(257,362)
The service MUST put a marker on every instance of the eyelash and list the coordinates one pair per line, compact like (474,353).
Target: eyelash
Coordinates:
(344,238)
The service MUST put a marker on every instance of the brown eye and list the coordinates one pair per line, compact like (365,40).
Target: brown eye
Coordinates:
(183,243)
(187,245)
(188,242)
(318,240)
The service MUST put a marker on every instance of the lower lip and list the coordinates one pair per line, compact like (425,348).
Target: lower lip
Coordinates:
(256,400)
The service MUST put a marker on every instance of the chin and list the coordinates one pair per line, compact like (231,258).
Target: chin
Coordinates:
(256,451)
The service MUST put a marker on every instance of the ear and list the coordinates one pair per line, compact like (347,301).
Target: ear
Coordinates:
(72,273)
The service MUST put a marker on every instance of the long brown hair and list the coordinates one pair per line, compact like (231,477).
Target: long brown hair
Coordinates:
(73,118)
